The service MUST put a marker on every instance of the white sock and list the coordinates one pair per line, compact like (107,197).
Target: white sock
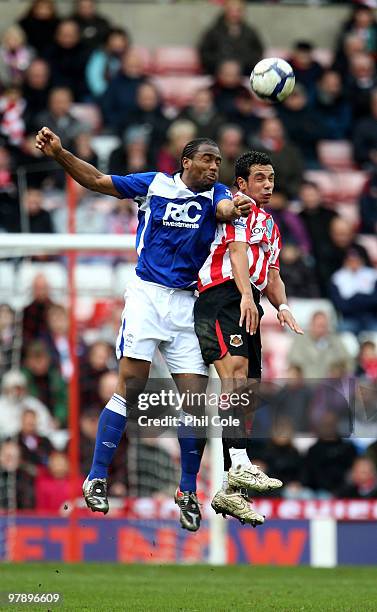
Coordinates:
(225,480)
(238,457)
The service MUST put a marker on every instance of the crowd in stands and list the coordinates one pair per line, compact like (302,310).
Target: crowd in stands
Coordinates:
(82,76)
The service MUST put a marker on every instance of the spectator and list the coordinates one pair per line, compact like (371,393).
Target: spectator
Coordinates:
(54,488)
(371,453)
(68,58)
(35,89)
(362,482)
(231,37)
(293,268)
(290,224)
(335,395)
(94,28)
(38,220)
(59,118)
(293,399)
(119,98)
(149,116)
(366,366)
(122,220)
(307,70)
(285,157)
(280,455)
(360,84)
(39,25)
(14,400)
(40,172)
(317,219)
(351,45)
(35,449)
(365,137)
(228,87)
(245,114)
(12,106)
(331,107)
(368,206)
(202,112)
(9,205)
(97,362)
(104,63)
(179,133)
(109,328)
(16,485)
(318,349)
(7,335)
(82,147)
(57,340)
(45,382)
(35,314)
(331,255)
(353,291)
(329,459)
(15,56)
(133,154)
(302,124)
(230,141)
(361,24)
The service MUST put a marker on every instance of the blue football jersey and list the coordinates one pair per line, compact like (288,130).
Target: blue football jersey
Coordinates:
(176,226)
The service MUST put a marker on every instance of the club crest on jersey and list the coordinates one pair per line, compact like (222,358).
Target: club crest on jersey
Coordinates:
(236,340)
(182,215)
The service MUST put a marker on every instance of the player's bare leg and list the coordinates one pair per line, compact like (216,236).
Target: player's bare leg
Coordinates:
(132,378)
(240,475)
(192,440)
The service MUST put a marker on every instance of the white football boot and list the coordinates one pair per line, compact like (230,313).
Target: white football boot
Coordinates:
(249,476)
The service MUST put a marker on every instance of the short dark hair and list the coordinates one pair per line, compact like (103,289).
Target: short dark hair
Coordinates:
(192,147)
(248,159)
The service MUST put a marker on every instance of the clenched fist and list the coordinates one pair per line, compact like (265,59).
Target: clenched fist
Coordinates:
(48,142)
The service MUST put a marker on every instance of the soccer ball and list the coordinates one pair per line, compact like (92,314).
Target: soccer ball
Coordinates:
(272,79)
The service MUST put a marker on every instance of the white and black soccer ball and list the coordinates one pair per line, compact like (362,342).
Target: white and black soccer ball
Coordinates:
(272,79)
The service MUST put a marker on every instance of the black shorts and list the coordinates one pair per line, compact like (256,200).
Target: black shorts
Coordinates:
(217,315)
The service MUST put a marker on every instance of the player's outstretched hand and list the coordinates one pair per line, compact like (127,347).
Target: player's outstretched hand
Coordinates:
(48,142)
(249,314)
(243,205)
(286,317)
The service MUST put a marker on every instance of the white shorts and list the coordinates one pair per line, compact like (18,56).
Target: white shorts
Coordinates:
(155,316)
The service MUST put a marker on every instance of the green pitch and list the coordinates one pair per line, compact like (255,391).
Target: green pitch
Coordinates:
(140,588)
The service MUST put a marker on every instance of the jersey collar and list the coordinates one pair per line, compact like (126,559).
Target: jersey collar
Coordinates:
(178,181)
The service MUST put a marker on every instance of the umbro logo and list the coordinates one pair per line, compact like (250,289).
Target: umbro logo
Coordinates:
(109,444)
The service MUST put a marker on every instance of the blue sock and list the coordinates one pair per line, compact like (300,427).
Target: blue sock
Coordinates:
(191,455)
(111,426)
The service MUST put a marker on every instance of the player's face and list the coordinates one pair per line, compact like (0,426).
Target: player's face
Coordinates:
(259,185)
(202,171)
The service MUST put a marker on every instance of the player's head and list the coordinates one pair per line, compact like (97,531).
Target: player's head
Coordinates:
(200,164)
(255,176)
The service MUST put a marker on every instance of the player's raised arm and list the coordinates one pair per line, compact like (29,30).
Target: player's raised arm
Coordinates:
(87,175)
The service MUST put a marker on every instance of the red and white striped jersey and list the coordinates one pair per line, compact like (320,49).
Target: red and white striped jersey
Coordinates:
(261,233)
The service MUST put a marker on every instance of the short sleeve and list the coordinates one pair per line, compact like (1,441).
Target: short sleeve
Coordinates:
(275,261)
(221,192)
(133,185)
